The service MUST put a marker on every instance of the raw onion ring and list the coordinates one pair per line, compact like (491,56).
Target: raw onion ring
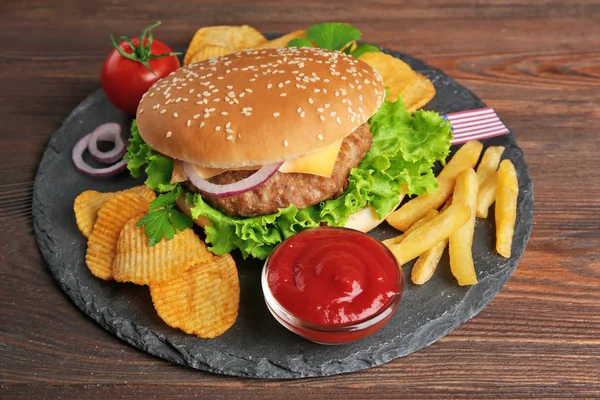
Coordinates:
(230,189)
(110,132)
(82,166)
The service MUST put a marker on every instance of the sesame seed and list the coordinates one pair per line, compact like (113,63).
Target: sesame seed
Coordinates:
(283,94)
(169,134)
(317,90)
(310,100)
(189,122)
(320,137)
(280,85)
(327,105)
(242,94)
(360,97)
(141,111)
(276,114)
(229,130)
(338,120)
(163,111)
(202,124)
(320,109)
(322,118)
(175,115)
(229,87)
(228,125)
(229,137)
(269,86)
(196,116)
(302,114)
(248,90)
(299,109)
(224,113)
(285,143)
(217,128)
(332,113)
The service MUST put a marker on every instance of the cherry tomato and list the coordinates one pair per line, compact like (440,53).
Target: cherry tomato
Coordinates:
(129,72)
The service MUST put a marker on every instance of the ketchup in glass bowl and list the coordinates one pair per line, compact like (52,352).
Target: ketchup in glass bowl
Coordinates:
(332,285)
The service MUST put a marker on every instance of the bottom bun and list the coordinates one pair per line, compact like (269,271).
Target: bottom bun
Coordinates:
(363,220)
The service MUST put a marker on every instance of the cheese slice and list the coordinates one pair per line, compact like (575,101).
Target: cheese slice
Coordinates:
(320,162)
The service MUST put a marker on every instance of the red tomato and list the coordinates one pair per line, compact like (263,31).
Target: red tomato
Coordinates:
(125,81)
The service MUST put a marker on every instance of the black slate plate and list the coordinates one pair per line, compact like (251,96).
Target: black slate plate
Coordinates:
(257,346)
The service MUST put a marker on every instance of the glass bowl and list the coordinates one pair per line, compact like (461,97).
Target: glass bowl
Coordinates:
(332,334)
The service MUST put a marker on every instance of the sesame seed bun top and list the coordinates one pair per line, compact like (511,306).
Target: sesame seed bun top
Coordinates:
(257,107)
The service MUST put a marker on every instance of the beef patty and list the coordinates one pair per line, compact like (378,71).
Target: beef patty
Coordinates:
(302,190)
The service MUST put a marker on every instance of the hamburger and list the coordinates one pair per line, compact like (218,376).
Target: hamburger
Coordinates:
(259,144)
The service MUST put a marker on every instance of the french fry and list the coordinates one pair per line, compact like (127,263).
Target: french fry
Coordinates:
(507,192)
(427,263)
(489,162)
(447,204)
(398,239)
(486,195)
(466,157)
(461,242)
(431,233)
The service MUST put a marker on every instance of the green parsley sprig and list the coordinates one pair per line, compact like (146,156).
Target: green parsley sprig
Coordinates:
(163,218)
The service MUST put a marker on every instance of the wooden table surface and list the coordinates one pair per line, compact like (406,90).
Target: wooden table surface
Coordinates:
(536,62)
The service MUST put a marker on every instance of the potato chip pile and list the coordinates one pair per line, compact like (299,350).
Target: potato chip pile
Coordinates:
(398,77)
(191,288)
(462,194)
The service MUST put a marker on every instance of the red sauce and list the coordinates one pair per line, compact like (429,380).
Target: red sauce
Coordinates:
(334,277)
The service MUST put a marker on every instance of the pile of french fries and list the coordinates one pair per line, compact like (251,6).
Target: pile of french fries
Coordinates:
(462,195)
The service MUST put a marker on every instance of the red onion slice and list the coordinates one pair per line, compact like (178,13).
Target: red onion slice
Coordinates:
(110,132)
(230,189)
(83,167)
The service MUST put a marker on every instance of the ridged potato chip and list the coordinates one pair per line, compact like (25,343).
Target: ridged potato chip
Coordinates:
(88,203)
(137,263)
(86,207)
(232,37)
(282,41)
(209,51)
(143,191)
(400,79)
(202,300)
(112,217)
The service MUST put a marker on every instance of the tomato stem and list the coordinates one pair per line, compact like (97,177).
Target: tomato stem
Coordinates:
(141,53)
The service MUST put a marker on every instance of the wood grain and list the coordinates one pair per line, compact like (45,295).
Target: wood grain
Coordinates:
(536,62)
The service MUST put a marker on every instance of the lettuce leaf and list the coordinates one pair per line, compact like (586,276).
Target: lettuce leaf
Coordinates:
(158,168)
